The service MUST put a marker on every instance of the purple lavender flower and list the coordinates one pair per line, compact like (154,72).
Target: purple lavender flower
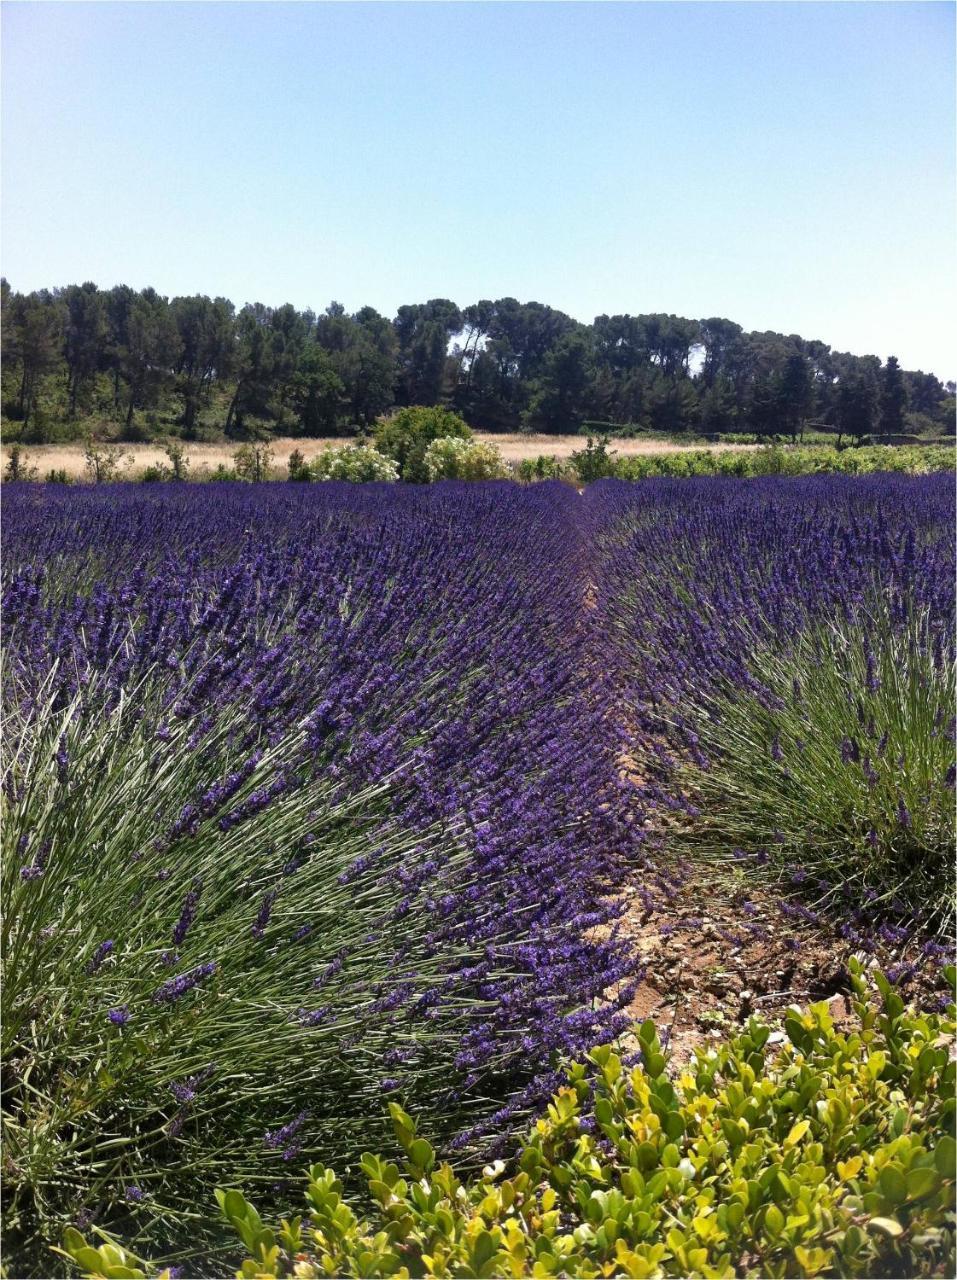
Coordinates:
(99,955)
(873,679)
(188,912)
(265,910)
(175,988)
(286,1137)
(35,869)
(850,751)
(119,1016)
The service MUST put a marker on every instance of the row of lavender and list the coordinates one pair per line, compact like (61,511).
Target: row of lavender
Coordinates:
(315,794)
(312,800)
(785,651)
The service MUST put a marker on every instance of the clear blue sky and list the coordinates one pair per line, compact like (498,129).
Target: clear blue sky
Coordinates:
(790,166)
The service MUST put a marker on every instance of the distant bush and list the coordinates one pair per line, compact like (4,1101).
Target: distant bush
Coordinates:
(18,466)
(58,475)
(298,467)
(175,452)
(252,462)
(452,458)
(595,461)
(103,461)
(359,463)
(739,437)
(407,435)
(545,467)
(833,1155)
(779,460)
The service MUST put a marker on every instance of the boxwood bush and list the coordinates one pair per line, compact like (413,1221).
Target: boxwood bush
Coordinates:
(831,1153)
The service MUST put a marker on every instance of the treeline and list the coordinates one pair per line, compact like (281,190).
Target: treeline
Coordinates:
(135,364)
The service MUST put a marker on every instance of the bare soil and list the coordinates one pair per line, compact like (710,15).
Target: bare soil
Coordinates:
(715,947)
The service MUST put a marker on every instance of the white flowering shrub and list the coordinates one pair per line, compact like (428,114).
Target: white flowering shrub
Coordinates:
(451,459)
(356,462)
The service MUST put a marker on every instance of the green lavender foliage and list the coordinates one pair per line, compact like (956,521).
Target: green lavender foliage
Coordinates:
(832,1155)
(99,1071)
(850,775)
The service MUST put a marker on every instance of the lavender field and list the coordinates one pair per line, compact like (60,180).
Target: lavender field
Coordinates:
(322,796)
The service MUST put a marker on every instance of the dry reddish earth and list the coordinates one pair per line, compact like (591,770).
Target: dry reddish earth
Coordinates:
(717,947)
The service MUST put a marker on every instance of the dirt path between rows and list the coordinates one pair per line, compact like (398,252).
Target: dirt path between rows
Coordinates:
(720,949)
(718,945)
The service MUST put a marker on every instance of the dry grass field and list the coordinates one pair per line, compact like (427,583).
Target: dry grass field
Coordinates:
(204,458)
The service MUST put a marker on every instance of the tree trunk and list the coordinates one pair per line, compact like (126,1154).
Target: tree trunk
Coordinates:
(231,411)
(189,409)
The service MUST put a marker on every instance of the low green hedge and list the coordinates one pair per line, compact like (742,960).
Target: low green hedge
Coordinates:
(830,1154)
(798,461)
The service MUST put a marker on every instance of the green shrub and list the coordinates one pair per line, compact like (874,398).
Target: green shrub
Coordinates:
(58,475)
(18,466)
(299,470)
(359,463)
(832,1155)
(407,434)
(545,467)
(739,437)
(222,474)
(595,461)
(179,464)
(451,458)
(103,461)
(252,462)
(776,459)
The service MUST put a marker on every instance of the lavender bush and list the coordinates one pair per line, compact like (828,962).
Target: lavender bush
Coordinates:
(309,805)
(785,648)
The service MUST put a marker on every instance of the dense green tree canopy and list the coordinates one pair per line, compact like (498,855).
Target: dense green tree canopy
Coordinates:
(135,364)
